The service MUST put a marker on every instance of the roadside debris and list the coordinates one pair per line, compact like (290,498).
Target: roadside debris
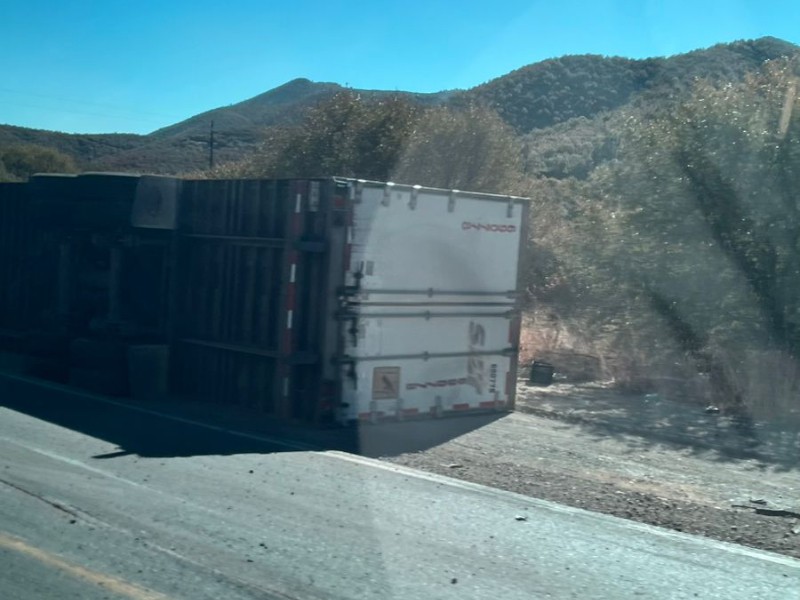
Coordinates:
(770,512)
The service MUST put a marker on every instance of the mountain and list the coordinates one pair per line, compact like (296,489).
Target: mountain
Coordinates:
(572,92)
(556,90)
(84,147)
(283,105)
(238,128)
(184,146)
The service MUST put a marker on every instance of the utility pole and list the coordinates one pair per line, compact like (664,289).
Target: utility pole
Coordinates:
(211,146)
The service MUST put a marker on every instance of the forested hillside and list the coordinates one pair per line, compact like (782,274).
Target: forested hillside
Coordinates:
(533,98)
(184,146)
(679,252)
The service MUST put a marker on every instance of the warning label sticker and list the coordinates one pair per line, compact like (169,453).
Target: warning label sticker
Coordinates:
(385,383)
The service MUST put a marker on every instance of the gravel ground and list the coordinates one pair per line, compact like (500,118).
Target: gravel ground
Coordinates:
(643,458)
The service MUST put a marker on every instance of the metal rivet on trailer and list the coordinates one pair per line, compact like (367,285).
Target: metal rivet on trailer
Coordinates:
(387,194)
(412,202)
(451,202)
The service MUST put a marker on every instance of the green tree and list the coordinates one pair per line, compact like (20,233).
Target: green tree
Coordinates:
(701,234)
(469,149)
(347,135)
(21,161)
(4,175)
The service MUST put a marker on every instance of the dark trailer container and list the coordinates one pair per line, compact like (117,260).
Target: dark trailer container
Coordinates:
(309,300)
(257,292)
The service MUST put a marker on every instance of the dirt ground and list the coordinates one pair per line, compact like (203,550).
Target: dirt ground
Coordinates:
(644,458)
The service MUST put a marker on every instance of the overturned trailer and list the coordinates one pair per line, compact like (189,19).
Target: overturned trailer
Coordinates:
(311,299)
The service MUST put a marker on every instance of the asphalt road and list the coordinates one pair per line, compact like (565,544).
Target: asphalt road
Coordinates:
(216,515)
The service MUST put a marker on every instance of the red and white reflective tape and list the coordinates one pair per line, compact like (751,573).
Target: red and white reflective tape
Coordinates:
(296,230)
(368,416)
(292,258)
(291,300)
(432,412)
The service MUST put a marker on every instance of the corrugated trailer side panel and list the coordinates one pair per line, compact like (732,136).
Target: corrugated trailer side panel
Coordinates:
(16,235)
(31,253)
(98,284)
(252,258)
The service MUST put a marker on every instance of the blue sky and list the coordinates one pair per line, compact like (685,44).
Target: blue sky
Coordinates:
(135,66)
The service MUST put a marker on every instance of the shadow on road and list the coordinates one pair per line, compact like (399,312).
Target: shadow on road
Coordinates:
(643,421)
(175,429)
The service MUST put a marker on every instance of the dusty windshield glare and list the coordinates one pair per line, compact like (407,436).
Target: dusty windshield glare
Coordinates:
(400,301)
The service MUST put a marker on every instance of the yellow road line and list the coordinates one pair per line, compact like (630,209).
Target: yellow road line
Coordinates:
(112,584)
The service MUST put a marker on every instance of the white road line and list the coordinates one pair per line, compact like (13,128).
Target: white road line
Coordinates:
(102,473)
(564,509)
(72,461)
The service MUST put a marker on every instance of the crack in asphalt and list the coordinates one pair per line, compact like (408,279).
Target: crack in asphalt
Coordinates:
(52,503)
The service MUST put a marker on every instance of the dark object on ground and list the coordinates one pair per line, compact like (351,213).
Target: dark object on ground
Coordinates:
(541,373)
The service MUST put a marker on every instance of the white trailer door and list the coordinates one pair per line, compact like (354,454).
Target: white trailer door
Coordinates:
(430,310)
(426,245)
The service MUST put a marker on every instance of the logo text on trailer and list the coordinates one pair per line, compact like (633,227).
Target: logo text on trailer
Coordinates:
(438,383)
(492,227)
